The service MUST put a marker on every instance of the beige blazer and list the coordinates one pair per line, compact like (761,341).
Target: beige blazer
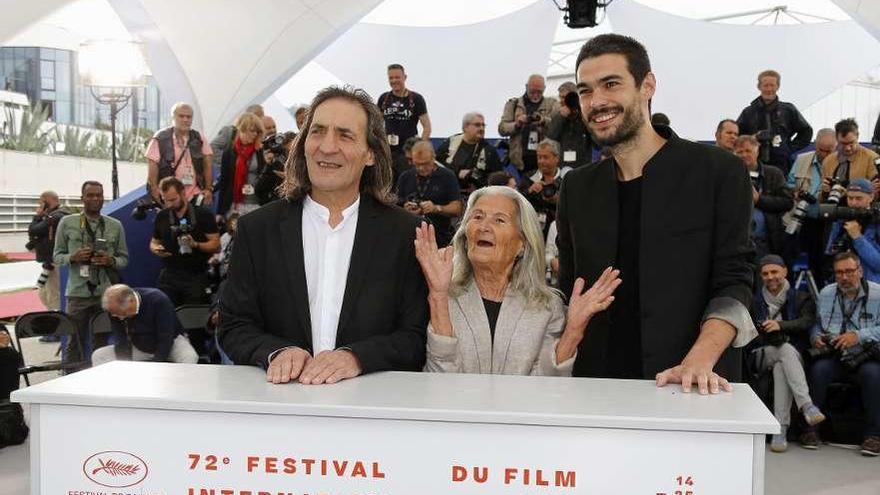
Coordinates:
(525,338)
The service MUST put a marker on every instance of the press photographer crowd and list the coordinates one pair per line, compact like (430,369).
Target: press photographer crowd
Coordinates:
(589,241)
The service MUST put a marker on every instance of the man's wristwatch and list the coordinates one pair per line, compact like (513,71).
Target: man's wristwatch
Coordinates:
(438,208)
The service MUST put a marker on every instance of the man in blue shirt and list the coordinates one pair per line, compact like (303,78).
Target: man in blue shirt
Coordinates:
(860,236)
(848,329)
(145,327)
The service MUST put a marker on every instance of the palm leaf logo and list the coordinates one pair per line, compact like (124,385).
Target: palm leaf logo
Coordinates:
(114,468)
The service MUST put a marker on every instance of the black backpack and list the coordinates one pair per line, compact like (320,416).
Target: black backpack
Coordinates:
(13,430)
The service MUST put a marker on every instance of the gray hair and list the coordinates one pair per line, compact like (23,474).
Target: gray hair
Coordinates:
(550,144)
(177,106)
(423,144)
(567,86)
(119,294)
(470,116)
(825,131)
(527,277)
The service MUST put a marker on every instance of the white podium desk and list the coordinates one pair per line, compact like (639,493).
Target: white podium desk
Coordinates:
(172,429)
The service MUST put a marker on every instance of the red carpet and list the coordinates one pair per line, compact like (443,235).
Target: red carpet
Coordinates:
(19,303)
(21,256)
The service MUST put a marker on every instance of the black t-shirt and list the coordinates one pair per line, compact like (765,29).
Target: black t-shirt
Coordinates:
(493,308)
(441,188)
(625,335)
(203,223)
(402,116)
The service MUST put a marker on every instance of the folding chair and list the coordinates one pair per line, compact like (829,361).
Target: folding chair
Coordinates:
(40,323)
(194,317)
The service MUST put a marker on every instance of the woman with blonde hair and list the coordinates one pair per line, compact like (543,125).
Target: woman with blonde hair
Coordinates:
(240,166)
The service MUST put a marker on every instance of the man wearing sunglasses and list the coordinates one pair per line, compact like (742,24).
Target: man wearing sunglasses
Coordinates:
(145,326)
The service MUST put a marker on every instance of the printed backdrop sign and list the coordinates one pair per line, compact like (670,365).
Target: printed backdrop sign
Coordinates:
(106,451)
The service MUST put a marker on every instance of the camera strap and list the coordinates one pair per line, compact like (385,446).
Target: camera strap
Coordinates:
(423,186)
(86,227)
(848,312)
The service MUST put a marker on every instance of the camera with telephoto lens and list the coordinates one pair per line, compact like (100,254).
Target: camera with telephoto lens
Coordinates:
(852,360)
(139,212)
(184,229)
(800,213)
(815,353)
(844,213)
(765,140)
(838,191)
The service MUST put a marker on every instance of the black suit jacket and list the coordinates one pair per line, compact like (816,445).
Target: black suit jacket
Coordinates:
(265,304)
(696,212)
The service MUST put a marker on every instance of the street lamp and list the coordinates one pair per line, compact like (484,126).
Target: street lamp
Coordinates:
(112,69)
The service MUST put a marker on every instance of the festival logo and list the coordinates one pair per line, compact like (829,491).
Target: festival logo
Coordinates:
(115,469)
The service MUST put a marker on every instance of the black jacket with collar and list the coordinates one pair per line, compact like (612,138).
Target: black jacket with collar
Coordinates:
(695,248)
(265,304)
(775,199)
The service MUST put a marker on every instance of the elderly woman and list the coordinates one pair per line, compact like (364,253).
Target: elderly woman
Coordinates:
(491,311)
(241,165)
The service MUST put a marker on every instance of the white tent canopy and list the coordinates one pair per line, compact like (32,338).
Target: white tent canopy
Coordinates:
(477,58)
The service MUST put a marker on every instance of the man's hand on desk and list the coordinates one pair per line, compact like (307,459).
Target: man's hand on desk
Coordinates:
(287,365)
(331,367)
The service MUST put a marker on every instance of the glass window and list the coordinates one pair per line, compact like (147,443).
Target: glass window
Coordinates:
(62,55)
(47,95)
(47,83)
(47,68)
(62,77)
(47,54)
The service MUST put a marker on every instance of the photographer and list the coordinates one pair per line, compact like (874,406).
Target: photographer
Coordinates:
(784,318)
(275,148)
(805,179)
(778,125)
(431,191)
(183,152)
(93,246)
(542,188)
(468,155)
(770,196)
(524,120)
(41,240)
(568,129)
(851,161)
(240,166)
(185,237)
(844,342)
(859,235)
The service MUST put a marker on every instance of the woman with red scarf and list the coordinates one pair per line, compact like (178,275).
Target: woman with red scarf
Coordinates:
(240,166)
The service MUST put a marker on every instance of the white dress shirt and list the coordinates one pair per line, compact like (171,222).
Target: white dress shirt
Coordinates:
(327,255)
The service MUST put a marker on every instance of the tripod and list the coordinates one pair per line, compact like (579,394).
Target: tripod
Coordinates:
(805,273)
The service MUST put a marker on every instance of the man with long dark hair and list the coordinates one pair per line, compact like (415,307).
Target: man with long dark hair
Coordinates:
(325,285)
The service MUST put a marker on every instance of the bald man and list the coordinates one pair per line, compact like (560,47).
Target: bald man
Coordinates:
(431,191)
(525,120)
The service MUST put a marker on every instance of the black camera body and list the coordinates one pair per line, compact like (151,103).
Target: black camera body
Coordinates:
(852,361)
(139,212)
(765,140)
(275,142)
(776,338)
(573,103)
(549,190)
(828,349)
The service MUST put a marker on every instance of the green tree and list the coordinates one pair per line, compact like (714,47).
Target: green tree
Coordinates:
(27,133)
